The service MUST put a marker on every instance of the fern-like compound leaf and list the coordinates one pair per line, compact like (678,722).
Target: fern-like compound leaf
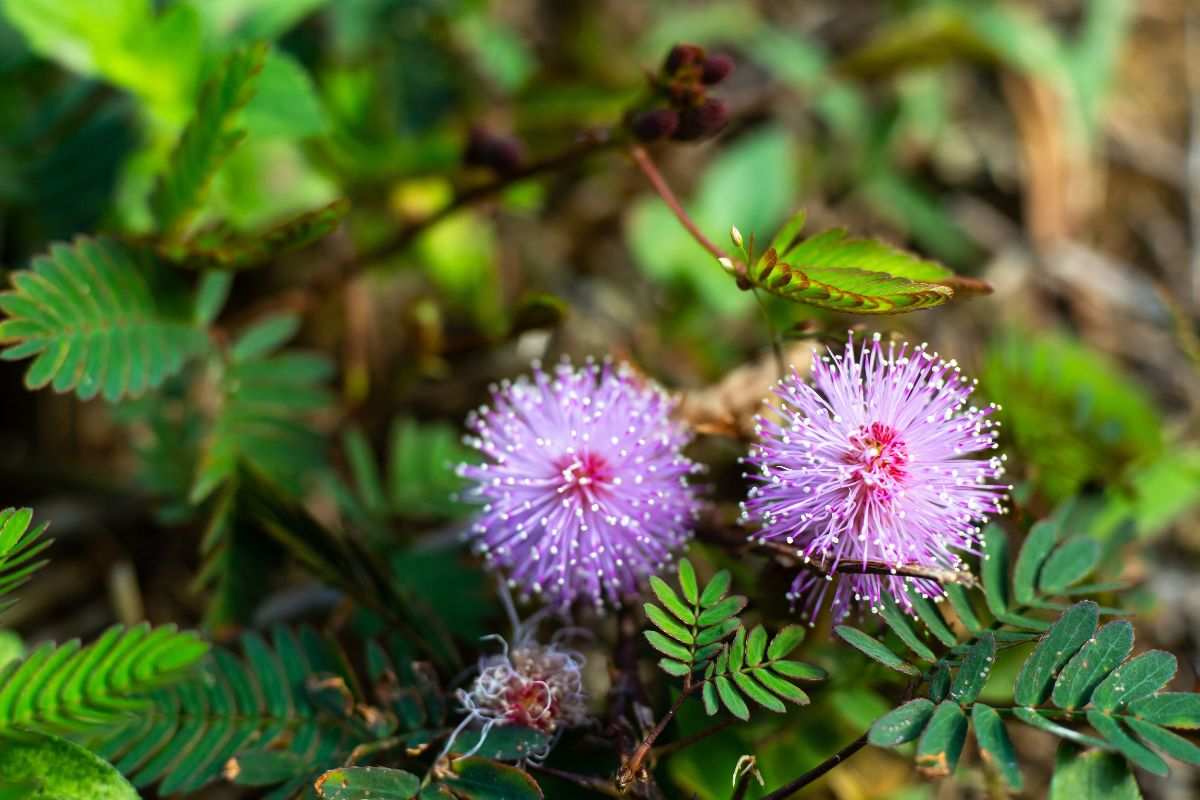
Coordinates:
(20,546)
(98,318)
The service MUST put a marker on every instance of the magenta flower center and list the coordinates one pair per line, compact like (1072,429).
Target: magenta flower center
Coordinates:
(880,459)
(585,475)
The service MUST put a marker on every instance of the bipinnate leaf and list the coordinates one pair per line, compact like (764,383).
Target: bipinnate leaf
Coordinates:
(356,783)
(1065,637)
(836,271)
(208,139)
(901,724)
(98,318)
(942,740)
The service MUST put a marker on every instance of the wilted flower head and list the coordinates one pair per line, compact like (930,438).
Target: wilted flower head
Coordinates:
(583,484)
(876,461)
(530,685)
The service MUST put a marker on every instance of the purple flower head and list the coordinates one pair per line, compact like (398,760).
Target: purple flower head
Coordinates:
(878,460)
(583,486)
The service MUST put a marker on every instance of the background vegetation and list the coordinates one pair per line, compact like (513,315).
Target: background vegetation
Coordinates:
(265,255)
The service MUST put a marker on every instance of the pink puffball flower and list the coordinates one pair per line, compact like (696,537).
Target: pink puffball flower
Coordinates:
(583,485)
(879,459)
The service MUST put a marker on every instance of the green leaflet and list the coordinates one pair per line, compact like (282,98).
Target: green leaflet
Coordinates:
(836,271)
(20,547)
(56,769)
(99,318)
(208,139)
(71,688)
(353,783)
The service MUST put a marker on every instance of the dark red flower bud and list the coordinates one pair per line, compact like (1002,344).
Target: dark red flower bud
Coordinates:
(716,69)
(682,55)
(702,120)
(504,154)
(655,124)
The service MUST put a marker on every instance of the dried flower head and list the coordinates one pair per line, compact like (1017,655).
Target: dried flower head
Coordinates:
(530,685)
(584,486)
(876,461)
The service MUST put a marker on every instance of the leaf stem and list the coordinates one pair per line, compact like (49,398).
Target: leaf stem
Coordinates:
(816,772)
(632,769)
(663,189)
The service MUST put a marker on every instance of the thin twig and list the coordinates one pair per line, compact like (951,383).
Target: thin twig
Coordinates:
(816,772)
(631,771)
(585,781)
(648,168)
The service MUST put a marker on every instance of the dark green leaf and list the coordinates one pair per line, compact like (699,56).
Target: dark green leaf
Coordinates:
(994,745)
(928,613)
(939,682)
(671,667)
(1031,717)
(687,582)
(355,783)
(757,693)
(717,632)
(1038,544)
(994,569)
(709,692)
(715,589)
(974,671)
(942,740)
(785,689)
(756,646)
(1136,752)
(480,779)
(875,649)
(265,337)
(731,699)
(902,724)
(799,670)
(667,647)
(667,624)
(1091,773)
(785,641)
(668,598)
(223,251)
(1094,661)
(1170,709)
(720,611)
(895,620)
(1064,638)
(960,601)
(1162,739)
(1073,561)
(502,742)
(1139,677)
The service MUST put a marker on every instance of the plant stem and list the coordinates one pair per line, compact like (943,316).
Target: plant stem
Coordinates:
(646,164)
(776,342)
(817,771)
(632,769)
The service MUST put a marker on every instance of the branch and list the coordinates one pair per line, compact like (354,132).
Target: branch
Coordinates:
(816,772)
(646,164)
(631,771)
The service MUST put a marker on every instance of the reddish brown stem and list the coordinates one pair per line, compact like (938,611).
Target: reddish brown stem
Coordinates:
(650,170)
(631,770)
